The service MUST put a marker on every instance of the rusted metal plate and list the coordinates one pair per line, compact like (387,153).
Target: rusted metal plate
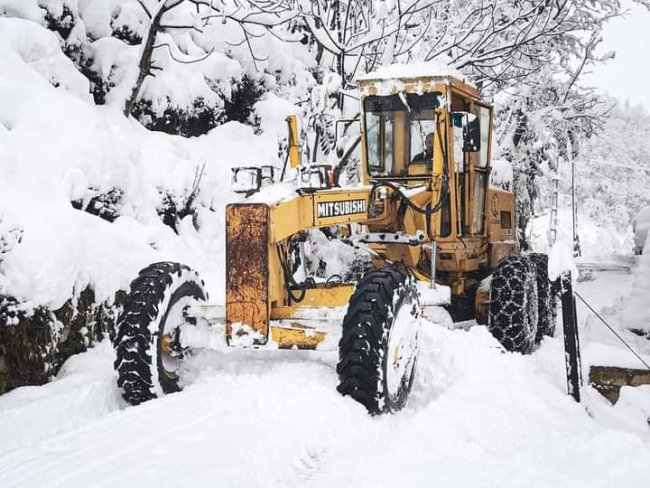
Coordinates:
(608,380)
(247,273)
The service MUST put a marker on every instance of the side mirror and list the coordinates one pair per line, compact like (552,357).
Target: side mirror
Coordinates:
(472,135)
(471,128)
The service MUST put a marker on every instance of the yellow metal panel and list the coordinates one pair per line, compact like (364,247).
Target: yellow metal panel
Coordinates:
(321,297)
(500,201)
(296,336)
(337,207)
(294,141)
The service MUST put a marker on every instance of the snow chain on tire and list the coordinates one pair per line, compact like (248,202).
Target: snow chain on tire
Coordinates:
(141,325)
(370,319)
(546,298)
(513,304)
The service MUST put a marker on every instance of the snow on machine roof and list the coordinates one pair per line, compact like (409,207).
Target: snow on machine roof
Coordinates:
(413,77)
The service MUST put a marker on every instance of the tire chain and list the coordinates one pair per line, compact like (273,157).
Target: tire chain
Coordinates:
(513,304)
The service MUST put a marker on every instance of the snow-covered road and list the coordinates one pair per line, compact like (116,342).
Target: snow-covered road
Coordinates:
(477,417)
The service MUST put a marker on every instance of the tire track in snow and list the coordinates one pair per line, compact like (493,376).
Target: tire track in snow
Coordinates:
(239,417)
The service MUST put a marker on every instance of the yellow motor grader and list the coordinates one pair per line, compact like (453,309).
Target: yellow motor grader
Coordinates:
(425,213)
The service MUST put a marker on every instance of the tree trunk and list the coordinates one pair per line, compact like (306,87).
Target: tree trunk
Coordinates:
(144,66)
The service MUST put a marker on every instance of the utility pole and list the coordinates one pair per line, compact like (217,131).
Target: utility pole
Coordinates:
(574,210)
(555,191)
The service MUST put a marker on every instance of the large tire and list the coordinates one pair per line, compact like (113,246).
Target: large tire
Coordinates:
(378,349)
(546,298)
(152,309)
(513,304)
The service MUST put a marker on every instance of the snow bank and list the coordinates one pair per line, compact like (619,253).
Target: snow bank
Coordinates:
(39,49)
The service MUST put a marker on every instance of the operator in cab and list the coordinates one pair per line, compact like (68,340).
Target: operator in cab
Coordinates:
(425,157)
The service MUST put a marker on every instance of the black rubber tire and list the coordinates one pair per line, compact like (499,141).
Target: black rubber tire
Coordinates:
(363,361)
(139,361)
(512,318)
(546,298)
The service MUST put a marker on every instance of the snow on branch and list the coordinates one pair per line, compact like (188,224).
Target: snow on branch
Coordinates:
(264,13)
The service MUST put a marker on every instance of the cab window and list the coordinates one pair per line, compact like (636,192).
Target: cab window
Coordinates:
(399,131)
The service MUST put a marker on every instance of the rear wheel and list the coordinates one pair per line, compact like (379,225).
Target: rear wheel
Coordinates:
(546,299)
(147,342)
(513,312)
(378,349)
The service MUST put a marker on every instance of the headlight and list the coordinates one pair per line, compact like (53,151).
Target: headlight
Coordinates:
(315,176)
(246,179)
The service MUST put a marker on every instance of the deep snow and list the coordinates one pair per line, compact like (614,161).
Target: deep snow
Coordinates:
(478,416)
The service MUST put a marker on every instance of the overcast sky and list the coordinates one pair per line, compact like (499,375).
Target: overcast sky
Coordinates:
(628,75)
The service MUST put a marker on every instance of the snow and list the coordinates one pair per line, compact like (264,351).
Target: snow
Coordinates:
(561,261)
(57,146)
(413,70)
(438,295)
(273,418)
(599,240)
(274,111)
(641,226)
(23,9)
(38,48)
(637,311)
(501,176)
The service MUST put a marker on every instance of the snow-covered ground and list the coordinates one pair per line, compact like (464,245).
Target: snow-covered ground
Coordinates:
(477,417)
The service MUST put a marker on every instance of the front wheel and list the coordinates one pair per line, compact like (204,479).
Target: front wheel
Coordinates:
(147,342)
(379,347)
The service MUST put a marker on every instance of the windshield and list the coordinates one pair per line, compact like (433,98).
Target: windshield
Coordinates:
(399,132)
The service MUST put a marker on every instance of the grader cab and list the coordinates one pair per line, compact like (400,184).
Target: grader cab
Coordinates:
(424,213)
